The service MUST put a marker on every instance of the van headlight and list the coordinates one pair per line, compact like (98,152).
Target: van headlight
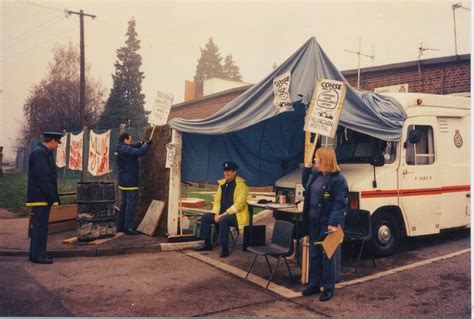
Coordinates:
(354,200)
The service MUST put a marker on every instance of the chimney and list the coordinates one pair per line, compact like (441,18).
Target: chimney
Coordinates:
(193,90)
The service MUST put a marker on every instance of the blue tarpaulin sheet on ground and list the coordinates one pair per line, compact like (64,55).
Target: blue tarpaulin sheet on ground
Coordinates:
(267,142)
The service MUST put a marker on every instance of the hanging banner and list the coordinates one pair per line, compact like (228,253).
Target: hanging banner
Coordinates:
(159,115)
(75,151)
(281,89)
(99,146)
(325,108)
(170,155)
(61,152)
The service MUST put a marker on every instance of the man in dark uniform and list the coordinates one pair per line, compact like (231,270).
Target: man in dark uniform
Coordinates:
(230,209)
(42,194)
(128,169)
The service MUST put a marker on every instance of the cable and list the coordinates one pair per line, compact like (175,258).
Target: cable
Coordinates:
(31,30)
(42,6)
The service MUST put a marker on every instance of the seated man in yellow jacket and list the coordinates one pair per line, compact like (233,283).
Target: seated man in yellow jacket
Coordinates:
(229,209)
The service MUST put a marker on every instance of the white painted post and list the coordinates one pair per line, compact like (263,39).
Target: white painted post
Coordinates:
(174,186)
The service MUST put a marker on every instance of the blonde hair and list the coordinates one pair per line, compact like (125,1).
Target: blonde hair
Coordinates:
(327,162)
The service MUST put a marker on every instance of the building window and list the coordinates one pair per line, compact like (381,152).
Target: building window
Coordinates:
(421,153)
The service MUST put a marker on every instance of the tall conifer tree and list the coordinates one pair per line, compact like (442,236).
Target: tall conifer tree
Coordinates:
(209,64)
(126,101)
(231,70)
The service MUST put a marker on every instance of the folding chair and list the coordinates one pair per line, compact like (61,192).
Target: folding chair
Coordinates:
(234,234)
(281,246)
(358,228)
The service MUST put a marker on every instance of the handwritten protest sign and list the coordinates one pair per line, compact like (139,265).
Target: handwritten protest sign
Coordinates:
(325,108)
(75,151)
(281,89)
(99,145)
(61,152)
(163,102)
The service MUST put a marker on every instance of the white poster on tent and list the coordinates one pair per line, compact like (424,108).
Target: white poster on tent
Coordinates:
(99,145)
(170,155)
(281,89)
(325,108)
(75,151)
(61,152)
(163,102)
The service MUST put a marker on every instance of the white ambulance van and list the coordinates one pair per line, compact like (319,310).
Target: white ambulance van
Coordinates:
(416,186)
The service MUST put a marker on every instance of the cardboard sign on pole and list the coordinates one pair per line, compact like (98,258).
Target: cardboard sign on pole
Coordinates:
(325,107)
(332,241)
(163,102)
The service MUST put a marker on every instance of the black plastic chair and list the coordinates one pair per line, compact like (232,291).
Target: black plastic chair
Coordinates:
(358,228)
(281,246)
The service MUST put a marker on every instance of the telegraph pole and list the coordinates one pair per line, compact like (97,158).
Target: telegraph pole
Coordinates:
(82,106)
(81,15)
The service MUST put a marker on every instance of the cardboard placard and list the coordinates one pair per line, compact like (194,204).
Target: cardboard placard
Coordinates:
(332,241)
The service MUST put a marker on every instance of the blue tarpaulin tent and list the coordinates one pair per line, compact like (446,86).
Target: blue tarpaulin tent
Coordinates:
(268,142)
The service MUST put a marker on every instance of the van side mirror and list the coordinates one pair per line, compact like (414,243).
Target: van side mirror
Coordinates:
(377,160)
(414,136)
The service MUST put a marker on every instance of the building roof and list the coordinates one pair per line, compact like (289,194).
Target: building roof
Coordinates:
(446,59)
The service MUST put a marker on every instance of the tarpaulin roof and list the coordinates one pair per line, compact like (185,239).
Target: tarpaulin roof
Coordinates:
(267,142)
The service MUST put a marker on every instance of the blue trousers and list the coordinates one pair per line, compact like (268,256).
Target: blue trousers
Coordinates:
(322,271)
(128,205)
(224,225)
(39,232)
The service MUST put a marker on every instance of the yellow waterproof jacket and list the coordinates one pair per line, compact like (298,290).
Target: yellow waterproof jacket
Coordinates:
(240,206)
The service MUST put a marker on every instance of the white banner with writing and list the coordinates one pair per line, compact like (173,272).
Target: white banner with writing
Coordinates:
(163,102)
(61,152)
(170,155)
(99,146)
(75,151)
(325,107)
(281,89)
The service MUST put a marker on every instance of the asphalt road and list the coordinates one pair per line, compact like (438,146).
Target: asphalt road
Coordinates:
(173,284)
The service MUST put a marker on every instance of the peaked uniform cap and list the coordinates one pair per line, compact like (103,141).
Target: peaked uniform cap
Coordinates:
(230,166)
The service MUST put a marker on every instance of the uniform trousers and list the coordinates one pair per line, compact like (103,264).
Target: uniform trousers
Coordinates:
(223,228)
(39,232)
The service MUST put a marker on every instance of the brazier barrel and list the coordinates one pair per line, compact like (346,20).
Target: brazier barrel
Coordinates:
(95,211)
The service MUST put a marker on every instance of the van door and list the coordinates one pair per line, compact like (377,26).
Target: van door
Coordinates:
(419,190)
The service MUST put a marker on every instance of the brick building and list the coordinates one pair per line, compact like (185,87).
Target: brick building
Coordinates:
(446,75)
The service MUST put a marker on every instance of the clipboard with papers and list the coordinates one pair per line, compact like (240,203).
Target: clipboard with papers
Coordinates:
(331,241)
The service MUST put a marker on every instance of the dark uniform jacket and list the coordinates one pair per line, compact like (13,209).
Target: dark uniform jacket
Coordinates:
(127,163)
(333,204)
(42,179)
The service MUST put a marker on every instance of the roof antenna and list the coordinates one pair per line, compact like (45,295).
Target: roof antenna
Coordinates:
(420,53)
(358,60)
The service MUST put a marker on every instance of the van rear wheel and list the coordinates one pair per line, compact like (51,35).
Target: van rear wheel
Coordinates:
(386,234)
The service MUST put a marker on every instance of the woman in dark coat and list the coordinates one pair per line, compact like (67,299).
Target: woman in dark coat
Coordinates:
(325,203)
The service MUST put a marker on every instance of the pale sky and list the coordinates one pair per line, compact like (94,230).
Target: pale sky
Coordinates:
(256,33)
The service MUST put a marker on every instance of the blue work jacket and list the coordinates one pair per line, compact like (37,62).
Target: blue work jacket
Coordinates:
(332,204)
(127,163)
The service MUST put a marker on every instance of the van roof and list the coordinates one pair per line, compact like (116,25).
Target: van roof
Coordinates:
(433,100)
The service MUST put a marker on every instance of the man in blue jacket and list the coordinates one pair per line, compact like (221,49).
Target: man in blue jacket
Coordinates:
(128,169)
(42,194)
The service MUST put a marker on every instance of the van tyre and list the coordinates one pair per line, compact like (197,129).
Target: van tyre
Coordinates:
(386,233)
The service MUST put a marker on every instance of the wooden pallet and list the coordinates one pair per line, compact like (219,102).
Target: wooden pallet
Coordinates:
(96,242)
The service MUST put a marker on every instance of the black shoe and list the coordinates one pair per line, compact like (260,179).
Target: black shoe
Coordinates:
(224,253)
(49,257)
(326,295)
(203,248)
(311,291)
(130,231)
(42,261)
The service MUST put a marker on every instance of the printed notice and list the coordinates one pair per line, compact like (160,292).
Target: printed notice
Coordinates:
(325,108)
(163,101)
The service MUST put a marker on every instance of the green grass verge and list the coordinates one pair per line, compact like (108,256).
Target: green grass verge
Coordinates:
(13,193)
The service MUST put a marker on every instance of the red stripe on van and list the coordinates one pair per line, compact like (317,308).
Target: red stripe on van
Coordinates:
(415,191)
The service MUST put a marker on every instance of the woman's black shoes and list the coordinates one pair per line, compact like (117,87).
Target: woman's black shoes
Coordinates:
(326,295)
(311,291)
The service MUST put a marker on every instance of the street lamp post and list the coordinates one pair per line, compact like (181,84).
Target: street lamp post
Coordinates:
(454,7)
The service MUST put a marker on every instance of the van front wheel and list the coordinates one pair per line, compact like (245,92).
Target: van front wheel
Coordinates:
(385,234)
